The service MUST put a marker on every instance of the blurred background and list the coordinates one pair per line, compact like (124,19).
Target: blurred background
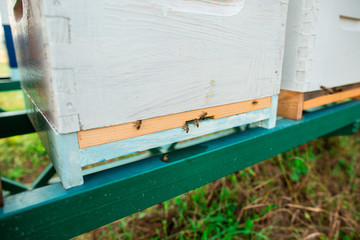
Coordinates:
(310,192)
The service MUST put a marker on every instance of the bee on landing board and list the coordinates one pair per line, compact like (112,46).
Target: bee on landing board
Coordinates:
(203,116)
(196,122)
(165,158)
(137,124)
(328,90)
(186,127)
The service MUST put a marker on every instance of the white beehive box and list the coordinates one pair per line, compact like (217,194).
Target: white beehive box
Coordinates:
(322,55)
(93,70)
(322,44)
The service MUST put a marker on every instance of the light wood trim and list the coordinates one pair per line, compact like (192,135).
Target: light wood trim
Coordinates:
(331,98)
(290,104)
(94,137)
(319,93)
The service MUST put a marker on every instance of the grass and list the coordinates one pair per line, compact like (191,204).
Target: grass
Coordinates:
(4,67)
(310,192)
(22,157)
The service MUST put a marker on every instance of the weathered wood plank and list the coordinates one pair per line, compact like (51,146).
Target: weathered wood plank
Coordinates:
(290,104)
(314,94)
(331,98)
(263,117)
(93,137)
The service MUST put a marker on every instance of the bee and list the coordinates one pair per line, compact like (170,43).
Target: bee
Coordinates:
(137,124)
(203,116)
(165,158)
(255,102)
(337,89)
(196,122)
(186,127)
(328,90)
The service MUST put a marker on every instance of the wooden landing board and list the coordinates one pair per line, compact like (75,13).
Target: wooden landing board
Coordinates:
(315,94)
(331,98)
(291,104)
(94,137)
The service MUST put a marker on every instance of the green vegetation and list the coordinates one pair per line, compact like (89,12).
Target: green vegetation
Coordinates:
(4,68)
(310,192)
(22,157)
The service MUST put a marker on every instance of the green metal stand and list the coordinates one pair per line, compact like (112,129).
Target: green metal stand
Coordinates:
(13,186)
(15,123)
(7,85)
(52,212)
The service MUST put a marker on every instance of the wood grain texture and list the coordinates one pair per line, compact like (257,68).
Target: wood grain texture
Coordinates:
(321,46)
(93,137)
(111,150)
(113,62)
(331,98)
(290,104)
(315,94)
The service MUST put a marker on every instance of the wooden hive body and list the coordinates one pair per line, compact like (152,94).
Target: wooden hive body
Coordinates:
(322,45)
(321,59)
(101,66)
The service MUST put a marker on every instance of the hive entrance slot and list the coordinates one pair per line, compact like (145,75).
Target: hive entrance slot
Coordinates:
(18,10)
(350,23)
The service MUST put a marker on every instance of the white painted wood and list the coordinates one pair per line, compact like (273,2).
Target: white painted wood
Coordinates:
(322,47)
(63,149)
(270,122)
(68,159)
(4,13)
(89,64)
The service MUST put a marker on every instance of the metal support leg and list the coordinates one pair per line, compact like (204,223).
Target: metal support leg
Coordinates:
(13,186)
(44,177)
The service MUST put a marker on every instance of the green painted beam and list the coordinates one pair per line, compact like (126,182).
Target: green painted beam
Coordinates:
(9,85)
(347,130)
(53,213)
(13,186)
(14,123)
